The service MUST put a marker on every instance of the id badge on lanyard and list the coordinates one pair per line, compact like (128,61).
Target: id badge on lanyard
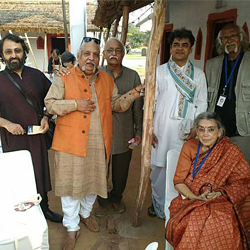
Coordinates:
(223,97)
(221,100)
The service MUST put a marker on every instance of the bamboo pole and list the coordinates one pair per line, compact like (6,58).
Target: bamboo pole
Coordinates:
(114,32)
(154,43)
(65,26)
(106,39)
(31,51)
(125,21)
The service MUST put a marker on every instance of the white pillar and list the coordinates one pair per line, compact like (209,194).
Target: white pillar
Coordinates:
(78,23)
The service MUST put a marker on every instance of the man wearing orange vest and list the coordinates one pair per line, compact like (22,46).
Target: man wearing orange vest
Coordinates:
(84,101)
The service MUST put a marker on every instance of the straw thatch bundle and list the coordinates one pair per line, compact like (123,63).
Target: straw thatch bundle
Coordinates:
(108,10)
(38,16)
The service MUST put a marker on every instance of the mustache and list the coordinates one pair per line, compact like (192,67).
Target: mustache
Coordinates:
(232,43)
(229,44)
(12,59)
(89,62)
(113,57)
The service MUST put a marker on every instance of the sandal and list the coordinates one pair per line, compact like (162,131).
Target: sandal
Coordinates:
(151,211)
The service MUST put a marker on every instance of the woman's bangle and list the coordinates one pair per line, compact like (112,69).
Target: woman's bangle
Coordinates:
(76,106)
(137,91)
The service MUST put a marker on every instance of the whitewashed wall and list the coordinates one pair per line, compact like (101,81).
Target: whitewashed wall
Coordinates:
(39,53)
(194,15)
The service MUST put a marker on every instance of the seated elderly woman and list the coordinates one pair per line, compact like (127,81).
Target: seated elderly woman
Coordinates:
(214,177)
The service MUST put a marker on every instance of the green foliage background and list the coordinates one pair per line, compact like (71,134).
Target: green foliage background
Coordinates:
(138,38)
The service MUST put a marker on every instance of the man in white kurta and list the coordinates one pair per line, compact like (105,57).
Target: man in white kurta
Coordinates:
(172,119)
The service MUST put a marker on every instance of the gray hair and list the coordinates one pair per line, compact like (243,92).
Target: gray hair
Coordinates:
(79,53)
(116,39)
(244,42)
(210,116)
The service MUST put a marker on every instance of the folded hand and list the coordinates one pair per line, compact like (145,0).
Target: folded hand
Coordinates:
(85,106)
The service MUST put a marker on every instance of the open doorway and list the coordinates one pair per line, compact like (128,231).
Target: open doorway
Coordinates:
(214,24)
(165,46)
(58,43)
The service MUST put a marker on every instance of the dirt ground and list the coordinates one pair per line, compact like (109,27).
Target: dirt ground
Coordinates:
(116,231)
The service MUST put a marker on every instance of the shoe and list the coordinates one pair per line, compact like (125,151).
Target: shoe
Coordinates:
(70,243)
(101,211)
(90,223)
(151,211)
(119,207)
(52,216)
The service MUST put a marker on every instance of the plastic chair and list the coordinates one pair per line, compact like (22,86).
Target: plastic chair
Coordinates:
(25,230)
(152,246)
(170,192)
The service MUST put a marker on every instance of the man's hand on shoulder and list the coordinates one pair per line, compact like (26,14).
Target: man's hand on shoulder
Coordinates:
(85,106)
(62,72)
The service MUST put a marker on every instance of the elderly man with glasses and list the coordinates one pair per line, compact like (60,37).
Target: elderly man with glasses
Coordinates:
(126,126)
(84,101)
(228,78)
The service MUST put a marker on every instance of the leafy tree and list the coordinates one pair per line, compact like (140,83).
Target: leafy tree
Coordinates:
(136,37)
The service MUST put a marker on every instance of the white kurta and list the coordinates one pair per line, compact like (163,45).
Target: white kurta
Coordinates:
(166,126)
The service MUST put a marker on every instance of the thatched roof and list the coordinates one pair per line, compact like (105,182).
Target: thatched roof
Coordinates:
(109,10)
(38,16)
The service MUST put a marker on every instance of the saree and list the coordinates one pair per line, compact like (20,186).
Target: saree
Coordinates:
(213,224)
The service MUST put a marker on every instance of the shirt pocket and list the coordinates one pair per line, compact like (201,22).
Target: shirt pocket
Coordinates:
(246,91)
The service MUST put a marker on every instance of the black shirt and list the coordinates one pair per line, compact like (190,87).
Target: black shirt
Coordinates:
(227,112)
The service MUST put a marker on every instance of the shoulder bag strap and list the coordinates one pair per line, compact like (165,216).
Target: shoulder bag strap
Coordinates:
(26,97)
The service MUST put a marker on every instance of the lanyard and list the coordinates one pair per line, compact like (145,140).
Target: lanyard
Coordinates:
(194,173)
(228,79)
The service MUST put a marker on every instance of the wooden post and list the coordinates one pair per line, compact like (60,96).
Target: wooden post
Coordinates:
(65,26)
(31,51)
(100,34)
(114,32)
(125,21)
(106,39)
(45,53)
(154,42)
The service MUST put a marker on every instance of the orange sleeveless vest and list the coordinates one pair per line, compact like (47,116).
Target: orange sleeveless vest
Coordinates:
(71,132)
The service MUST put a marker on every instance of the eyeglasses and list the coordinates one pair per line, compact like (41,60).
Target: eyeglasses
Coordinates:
(232,37)
(111,50)
(210,130)
(87,39)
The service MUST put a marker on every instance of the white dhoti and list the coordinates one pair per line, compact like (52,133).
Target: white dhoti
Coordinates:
(72,208)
